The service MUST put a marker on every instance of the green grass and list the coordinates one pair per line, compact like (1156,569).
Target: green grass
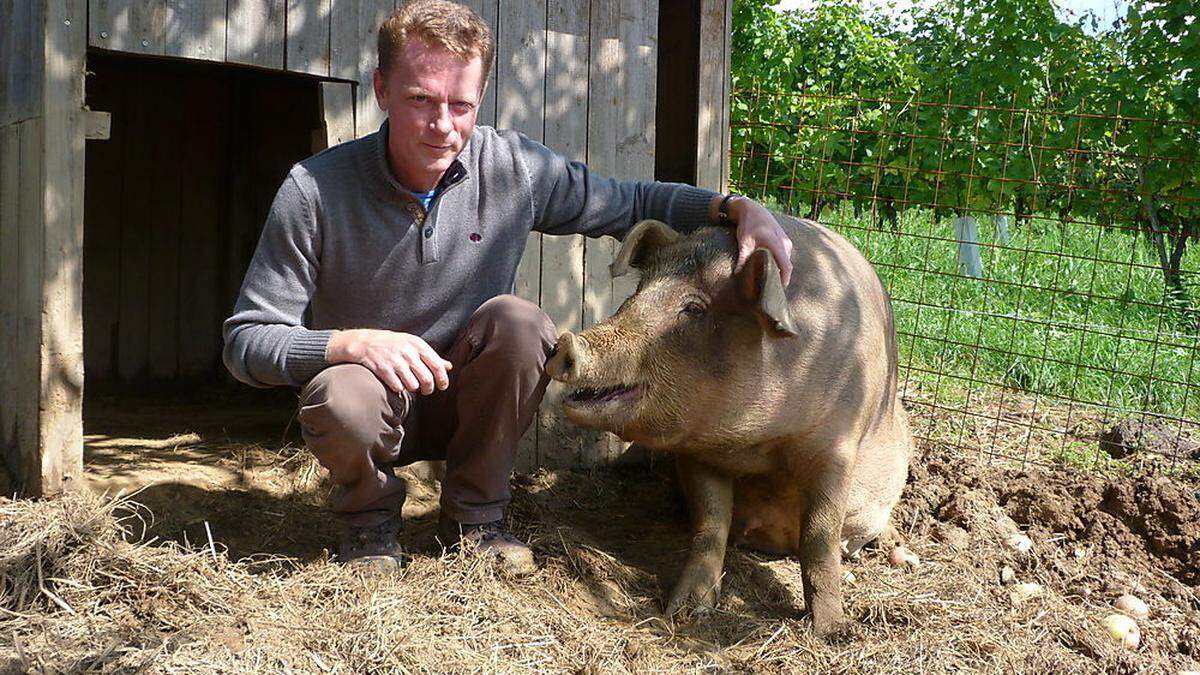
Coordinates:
(1071,311)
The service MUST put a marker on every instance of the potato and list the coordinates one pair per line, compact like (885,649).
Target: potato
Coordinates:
(1133,606)
(1123,630)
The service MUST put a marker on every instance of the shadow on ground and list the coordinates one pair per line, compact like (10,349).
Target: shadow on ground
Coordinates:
(230,473)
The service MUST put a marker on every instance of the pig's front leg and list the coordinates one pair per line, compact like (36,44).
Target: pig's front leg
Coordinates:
(709,497)
(820,550)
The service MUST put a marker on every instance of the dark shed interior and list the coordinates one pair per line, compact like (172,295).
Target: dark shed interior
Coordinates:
(175,200)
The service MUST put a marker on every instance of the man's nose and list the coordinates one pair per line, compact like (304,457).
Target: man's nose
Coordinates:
(441,121)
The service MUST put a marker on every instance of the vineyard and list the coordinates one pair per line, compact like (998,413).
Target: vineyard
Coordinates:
(1027,187)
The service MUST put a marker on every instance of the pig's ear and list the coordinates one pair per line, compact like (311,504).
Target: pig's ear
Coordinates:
(642,241)
(760,286)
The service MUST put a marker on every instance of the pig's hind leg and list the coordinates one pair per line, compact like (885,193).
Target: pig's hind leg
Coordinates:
(820,551)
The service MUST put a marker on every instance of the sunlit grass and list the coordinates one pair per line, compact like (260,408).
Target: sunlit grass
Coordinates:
(1074,311)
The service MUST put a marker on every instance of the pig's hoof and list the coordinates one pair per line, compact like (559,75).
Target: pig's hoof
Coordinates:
(692,596)
(828,624)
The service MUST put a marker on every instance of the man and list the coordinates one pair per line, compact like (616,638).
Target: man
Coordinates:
(381,287)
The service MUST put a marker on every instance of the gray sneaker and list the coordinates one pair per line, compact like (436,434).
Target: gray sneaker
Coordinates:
(488,539)
(372,546)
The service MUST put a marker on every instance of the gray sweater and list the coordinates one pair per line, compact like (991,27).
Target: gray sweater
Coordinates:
(346,246)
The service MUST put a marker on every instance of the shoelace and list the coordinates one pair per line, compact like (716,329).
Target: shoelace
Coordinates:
(492,530)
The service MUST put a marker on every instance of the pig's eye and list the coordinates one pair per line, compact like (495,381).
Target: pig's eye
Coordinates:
(693,309)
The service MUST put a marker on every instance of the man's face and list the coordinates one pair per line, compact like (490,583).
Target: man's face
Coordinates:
(431,97)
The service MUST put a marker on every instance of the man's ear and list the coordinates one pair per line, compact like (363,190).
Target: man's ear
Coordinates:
(379,82)
(761,288)
(642,241)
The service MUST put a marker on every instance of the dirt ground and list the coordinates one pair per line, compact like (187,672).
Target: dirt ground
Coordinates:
(218,562)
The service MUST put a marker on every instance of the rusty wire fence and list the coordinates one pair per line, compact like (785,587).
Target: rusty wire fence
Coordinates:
(1041,261)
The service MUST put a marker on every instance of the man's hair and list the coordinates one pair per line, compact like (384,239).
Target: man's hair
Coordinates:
(438,23)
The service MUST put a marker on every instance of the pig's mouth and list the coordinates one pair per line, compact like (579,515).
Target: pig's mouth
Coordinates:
(588,396)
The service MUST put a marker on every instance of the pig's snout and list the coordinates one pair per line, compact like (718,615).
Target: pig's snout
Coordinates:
(569,353)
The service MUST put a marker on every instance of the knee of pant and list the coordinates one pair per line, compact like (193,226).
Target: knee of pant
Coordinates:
(345,396)
(519,322)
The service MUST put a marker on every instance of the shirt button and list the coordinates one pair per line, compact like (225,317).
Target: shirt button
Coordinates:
(428,232)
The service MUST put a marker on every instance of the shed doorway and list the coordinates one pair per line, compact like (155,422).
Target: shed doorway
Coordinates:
(175,199)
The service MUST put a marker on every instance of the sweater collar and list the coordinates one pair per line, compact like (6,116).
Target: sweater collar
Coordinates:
(379,165)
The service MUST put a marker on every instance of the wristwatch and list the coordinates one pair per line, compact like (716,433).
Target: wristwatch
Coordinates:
(723,210)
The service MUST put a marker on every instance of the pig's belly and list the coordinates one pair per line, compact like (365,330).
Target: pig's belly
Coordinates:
(767,513)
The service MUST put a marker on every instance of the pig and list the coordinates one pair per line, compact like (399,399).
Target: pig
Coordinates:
(778,404)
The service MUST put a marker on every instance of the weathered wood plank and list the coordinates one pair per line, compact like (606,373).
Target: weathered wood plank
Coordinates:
(204,150)
(368,117)
(31,216)
(344,43)
(488,10)
(559,442)
(308,36)
(604,122)
(60,381)
(10,366)
(21,68)
(161,199)
(635,145)
(255,34)
(133,333)
(196,29)
(520,105)
(138,26)
(337,106)
(714,95)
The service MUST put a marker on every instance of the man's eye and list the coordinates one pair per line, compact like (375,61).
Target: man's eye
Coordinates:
(693,309)
(417,98)
(464,107)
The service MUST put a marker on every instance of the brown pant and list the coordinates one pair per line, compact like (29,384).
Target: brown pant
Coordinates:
(359,429)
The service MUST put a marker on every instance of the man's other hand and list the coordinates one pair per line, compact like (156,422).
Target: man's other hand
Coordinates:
(401,361)
(757,228)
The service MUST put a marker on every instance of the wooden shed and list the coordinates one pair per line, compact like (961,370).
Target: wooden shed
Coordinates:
(141,142)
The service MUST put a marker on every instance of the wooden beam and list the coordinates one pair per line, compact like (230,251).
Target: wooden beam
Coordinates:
(60,381)
(41,228)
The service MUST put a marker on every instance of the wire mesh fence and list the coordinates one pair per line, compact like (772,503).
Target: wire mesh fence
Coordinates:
(1038,260)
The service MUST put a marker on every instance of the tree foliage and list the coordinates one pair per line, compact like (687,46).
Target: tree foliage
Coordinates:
(975,107)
